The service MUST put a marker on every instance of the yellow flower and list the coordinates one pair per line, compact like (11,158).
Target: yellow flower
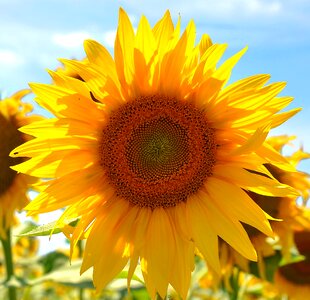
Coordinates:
(298,179)
(294,278)
(13,186)
(285,208)
(154,152)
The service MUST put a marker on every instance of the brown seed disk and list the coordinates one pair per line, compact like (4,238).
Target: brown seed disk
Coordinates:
(302,241)
(10,138)
(298,273)
(157,151)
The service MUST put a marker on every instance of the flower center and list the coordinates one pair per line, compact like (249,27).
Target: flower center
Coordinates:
(10,138)
(157,151)
(157,148)
(298,273)
(302,242)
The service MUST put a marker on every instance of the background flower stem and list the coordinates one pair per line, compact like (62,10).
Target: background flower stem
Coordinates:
(81,250)
(7,249)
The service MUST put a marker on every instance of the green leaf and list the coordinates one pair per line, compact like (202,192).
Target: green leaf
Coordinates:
(136,276)
(14,281)
(53,260)
(271,265)
(295,258)
(135,294)
(47,229)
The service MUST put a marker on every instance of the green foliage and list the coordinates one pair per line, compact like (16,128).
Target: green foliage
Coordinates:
(53,261)
(46,229)
(271,264)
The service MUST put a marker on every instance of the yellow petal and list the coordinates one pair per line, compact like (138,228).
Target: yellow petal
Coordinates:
(62,191)
(56,163)
(132,267)
(48,95)
(254,142)
(208,63)
(58,127)
(140,227)
(279,119)
(145,41)
(275,158)
(100,56)
(224,71)
(106,254)
(205,43)
(259,98)
(204,235)
(69,83)
(159,251)
(245,85)
(234,199)
(123,51)
(254,182)
(81,227)
(173,63)
(226,226)
(36,146)
(183,264)
(163,31)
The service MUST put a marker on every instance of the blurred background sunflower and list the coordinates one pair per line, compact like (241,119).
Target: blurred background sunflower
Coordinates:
(13,186)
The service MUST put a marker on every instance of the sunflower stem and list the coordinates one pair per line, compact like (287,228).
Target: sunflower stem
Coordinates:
(81,250)
(81,294)
(234,280)
(7,249)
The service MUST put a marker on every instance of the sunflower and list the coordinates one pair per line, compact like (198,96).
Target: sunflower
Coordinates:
(13,186)
(285,208)
(294,278)
(299,180)
(154,153)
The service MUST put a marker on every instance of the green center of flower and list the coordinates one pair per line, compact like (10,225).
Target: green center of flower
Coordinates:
(10,138)
(157,148)
(157,151)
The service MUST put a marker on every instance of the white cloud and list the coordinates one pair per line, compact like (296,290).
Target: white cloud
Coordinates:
(262,7)
(70,40)
(10,58)
(109,38)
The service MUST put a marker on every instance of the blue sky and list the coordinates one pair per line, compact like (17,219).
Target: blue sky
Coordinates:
(34,33)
